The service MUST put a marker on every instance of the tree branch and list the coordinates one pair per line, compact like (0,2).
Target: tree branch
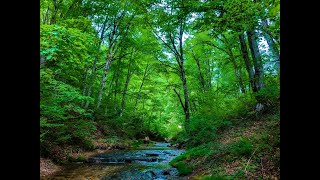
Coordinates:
(158,37)
(211,44)
(179,99)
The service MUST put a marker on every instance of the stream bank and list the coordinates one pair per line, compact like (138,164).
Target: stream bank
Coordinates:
(143,162)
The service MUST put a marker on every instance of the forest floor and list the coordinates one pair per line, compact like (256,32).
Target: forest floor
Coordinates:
(47,167)
(250,149)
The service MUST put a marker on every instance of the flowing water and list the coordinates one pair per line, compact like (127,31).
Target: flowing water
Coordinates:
(143,163)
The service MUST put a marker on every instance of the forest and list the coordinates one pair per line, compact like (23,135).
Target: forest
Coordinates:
(202,76)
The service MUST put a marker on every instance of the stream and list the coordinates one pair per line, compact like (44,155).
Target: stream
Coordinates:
(142,163)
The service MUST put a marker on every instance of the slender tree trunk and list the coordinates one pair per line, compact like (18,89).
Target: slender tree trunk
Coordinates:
(125,90)
(85,84)
(237,70)
(201,78)
(113,48)
(209,74)
(239,76)
(116,87)
(248,64)
(92,75)
(178,53)
(106,108)
(185,93)
(109,94)
(183,77)
(141,85)
(93,71)
(104,79)
(236,67)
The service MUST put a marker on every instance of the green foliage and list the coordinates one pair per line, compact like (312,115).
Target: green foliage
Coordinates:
(81,23)
(67,51)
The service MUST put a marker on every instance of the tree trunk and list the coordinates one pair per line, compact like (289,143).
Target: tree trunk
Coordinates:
(85,84)
(272,46)
(125,90)
(178,53)
(142,82)
(239,76)
(257,61)
(183,76)
(249,68)
(185,92)
(112,51)
(201,78)
(46,17)
(116,87)
(237,69)
(93,71)
(209,74)
(92,75)
(109,94)
(104,79)
(55,11)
